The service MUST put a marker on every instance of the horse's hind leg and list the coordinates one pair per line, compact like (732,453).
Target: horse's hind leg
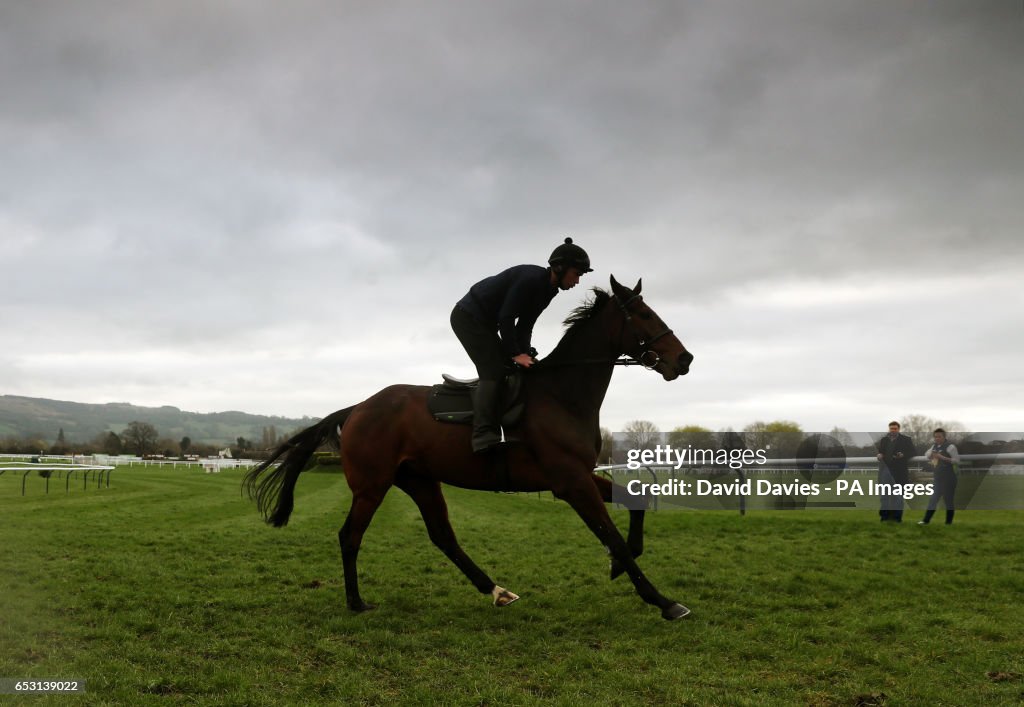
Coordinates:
(364,505)
(635,538)
(426,493)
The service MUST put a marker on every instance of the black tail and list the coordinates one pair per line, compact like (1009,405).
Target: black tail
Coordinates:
(275,494)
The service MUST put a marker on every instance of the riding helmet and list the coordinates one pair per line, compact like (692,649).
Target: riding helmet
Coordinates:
(568,255)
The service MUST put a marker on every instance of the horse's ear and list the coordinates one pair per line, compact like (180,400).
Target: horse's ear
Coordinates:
(639,284)
(615,284)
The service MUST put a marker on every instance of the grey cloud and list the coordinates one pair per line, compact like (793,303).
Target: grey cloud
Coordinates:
(195,175)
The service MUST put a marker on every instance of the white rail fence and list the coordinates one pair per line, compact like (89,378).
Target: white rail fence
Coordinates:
(97,468)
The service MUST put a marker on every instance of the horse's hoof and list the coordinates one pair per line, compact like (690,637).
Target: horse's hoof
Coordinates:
(617,569)
(674,611)
(502,596)
(361,607)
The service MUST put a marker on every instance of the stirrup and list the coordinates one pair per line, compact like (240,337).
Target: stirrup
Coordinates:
(484,444)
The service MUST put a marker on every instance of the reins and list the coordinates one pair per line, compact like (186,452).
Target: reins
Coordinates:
(622,360)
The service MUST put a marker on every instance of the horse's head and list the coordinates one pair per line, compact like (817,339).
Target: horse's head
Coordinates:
(646,338)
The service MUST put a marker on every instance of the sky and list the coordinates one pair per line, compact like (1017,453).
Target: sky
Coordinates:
(272,207)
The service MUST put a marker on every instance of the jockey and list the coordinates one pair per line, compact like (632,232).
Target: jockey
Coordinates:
(494,322)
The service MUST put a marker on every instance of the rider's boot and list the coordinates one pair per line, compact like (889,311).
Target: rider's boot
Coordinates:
(486,415)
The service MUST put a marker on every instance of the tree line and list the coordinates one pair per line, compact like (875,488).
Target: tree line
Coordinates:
(782,437)
(142,439)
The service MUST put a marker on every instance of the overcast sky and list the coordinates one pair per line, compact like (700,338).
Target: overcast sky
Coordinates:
(272,207)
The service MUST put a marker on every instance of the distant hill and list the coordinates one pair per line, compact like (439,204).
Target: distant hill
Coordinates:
(81,422)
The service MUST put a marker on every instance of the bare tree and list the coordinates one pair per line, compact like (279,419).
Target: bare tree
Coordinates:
(642,434)
(956,432)
(920,428)
(140,437)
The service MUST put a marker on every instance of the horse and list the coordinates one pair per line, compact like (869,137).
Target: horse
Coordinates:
(390,439)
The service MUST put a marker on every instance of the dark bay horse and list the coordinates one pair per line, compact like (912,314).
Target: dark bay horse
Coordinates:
(390,439)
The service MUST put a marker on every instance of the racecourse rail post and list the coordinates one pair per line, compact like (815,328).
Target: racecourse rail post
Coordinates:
(654,478)
(607,474)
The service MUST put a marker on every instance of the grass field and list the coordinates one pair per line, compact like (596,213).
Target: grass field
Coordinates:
(167,587)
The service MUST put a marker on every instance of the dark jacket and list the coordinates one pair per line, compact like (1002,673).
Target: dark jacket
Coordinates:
(510,303)
(889,447)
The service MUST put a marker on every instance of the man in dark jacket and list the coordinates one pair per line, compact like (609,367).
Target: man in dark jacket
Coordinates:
(895,451)
(494,322)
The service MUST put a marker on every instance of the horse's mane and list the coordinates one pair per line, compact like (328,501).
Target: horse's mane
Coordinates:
(575,324)
(587,310)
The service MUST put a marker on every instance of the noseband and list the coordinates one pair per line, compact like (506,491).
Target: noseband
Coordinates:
(643,344)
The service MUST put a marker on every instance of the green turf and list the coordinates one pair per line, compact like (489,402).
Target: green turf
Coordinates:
(167,587)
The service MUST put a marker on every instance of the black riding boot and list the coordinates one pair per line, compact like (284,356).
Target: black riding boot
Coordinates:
(949,517)
(486,415)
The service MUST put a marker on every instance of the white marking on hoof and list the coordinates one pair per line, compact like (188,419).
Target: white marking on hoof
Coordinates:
(502,596)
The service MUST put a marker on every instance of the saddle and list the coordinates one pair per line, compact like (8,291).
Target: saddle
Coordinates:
(452,400)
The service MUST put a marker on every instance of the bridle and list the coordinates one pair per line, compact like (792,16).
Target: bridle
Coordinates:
(643,344)
(623,359)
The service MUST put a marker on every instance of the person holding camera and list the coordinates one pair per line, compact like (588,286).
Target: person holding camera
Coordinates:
(895,451)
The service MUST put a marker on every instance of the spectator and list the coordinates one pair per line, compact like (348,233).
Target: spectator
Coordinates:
(942,457)
(895,451)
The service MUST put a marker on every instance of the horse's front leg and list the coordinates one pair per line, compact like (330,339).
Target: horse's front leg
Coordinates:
(635,536)
(582,494)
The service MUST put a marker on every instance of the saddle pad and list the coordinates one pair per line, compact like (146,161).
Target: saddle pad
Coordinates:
(450,405)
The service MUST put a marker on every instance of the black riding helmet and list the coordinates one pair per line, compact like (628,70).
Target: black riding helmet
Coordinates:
(570,255)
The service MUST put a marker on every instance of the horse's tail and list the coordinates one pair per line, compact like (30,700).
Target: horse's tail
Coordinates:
(275,493)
